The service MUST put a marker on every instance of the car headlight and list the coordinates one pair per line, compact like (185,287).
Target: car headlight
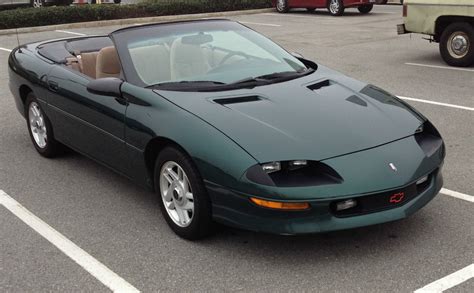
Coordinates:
(293,174)
(276,166)
(429,139)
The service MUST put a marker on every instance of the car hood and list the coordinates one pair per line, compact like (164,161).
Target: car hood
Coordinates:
(316,117)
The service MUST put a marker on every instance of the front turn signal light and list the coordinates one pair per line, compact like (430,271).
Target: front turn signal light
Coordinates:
(277,205)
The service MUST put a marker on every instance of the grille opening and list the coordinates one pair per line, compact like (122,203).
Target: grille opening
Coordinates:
(376,202)
(320,85)
(237,100)
(381,201)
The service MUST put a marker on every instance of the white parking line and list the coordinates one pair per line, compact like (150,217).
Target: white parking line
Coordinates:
(81,257)
(71,33)
(437,103)
(441,67)
(6,50)
(449,281)
(259,23)
(456,194)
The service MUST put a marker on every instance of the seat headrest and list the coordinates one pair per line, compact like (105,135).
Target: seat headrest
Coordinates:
(108,64)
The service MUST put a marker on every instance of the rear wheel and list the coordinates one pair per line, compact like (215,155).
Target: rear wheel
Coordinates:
(364,9)
(40,129)
(457,44)
(282,6)
(336,7)
(184,200)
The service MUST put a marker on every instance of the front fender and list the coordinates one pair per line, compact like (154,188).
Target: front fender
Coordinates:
(218,158)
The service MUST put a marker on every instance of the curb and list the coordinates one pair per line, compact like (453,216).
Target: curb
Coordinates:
(125,21)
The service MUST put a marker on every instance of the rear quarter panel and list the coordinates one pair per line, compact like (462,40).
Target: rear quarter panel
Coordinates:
(26,68)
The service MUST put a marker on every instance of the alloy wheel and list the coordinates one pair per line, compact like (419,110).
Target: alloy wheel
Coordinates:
(37,125)
(176,194)
(334,6)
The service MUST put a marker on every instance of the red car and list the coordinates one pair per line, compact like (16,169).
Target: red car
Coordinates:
(335,7)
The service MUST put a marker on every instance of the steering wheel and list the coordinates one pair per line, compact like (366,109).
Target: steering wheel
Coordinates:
(230,55)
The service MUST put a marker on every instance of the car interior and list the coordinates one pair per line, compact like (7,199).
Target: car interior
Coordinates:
(96,57)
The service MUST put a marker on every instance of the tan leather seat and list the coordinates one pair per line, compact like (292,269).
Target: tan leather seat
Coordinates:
(187,60)
(108,64)
(87,64)
(152,63)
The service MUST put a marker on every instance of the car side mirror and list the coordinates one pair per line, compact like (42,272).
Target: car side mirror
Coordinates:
(109,86)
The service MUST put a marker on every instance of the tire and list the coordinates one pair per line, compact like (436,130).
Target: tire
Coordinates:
(46,145)
(457,44)
(364,9)
(176,207)
(336,7)
(282,6)
(117,1)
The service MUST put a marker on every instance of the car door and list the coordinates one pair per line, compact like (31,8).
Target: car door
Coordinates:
(308,3)
(90,123)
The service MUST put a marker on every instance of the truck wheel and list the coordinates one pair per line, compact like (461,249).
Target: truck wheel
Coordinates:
(336,7)
(282,6)
(364,9)
(457,44)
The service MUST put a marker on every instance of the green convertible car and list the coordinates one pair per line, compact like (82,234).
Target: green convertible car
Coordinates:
(228,127)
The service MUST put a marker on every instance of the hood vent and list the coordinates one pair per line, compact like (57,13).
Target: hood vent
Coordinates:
(320,85)
(237,100)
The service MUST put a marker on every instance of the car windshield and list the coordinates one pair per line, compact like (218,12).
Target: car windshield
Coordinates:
(202,54)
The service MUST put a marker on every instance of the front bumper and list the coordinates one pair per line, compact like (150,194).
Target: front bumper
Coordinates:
(234,209)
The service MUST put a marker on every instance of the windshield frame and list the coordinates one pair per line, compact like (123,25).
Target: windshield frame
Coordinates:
(123,37)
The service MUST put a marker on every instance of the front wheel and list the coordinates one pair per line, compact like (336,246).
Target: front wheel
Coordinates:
(364,9)
(457,44)
(184,201)
(282,6)
(336,7)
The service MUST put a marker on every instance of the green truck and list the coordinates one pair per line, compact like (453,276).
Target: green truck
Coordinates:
(447,22)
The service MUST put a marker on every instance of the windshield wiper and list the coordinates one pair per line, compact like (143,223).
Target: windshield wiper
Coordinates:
(286,74)
(272,77)
(186,83)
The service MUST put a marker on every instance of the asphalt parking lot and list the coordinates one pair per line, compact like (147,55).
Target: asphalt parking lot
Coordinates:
(121,227)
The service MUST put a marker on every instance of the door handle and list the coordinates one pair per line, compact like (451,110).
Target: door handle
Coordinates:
(54,86)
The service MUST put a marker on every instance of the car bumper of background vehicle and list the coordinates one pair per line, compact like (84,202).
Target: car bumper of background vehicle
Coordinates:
(233,209)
